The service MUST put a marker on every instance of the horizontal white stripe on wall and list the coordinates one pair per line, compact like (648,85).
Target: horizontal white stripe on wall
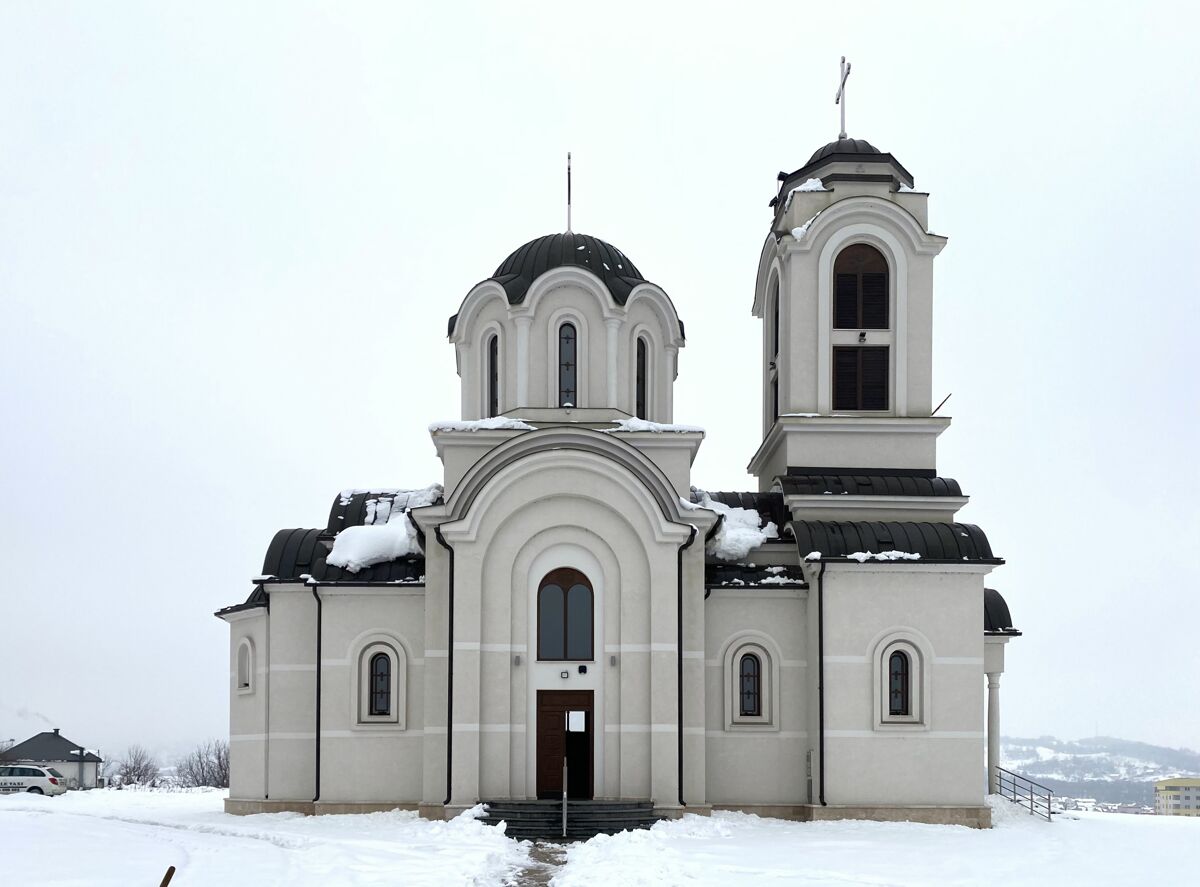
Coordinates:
(786,663)
(369,734)
(958,660)
(641,648)
(474,646)
(652,728)
(847,660)
(904,734)
(435,654)
(334,663)
(279,667)
(756,734)
(479,728)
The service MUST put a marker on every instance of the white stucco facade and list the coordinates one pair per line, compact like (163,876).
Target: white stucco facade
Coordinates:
(787,679)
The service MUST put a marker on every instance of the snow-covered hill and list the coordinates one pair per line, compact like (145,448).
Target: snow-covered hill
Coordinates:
(1105,768)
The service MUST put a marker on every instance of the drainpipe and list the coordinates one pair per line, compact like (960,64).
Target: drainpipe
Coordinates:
(317,737)
(821,678)
(679,655)
(437,532)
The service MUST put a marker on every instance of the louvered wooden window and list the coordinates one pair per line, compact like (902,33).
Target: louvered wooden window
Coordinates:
(860,292)
(860,377)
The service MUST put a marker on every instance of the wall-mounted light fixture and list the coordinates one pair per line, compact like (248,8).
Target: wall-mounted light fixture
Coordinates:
(862,337)
(612,660)
(517,659)
(564,674)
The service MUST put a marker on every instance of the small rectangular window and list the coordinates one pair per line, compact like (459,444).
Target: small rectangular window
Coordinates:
(860,378)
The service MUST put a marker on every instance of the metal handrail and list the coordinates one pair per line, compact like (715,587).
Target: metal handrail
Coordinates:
(1024,791)
(564,834)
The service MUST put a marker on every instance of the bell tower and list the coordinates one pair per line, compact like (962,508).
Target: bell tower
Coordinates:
(845,292)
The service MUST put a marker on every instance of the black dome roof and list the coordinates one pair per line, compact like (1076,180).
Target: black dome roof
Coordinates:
(529,262)
(844,146)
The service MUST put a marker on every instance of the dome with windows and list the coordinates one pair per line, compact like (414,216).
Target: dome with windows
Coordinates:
(529,262)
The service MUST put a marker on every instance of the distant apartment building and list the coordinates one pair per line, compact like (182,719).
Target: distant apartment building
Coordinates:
(1177,797)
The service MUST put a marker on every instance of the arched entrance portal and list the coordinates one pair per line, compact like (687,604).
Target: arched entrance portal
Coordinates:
(566,638)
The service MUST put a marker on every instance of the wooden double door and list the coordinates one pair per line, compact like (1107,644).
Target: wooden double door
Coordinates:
(554,743)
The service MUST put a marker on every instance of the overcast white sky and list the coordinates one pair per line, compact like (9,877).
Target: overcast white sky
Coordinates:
(231,234)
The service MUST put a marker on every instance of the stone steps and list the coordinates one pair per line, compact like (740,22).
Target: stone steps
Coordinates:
(585,819)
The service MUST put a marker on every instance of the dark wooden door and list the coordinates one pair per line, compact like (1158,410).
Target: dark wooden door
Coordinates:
(554,743)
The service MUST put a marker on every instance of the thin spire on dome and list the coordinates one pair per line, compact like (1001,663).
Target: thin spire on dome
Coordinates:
(568,192)
(840,98)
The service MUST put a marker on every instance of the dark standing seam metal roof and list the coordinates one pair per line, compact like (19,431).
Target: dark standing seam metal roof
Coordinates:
(868,485)
(527,263)
(48,746)
(933,541)
(770,507)
(996,618)
(296,553)
(718,575)
(846,150)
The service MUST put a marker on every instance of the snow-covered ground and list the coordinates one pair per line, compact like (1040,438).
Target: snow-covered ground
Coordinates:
(101,838)
(130,837)
(1095,849)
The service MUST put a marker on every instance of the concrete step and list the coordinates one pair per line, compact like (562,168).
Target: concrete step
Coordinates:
(585,819)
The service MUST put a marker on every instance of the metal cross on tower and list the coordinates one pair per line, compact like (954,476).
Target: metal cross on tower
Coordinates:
(840,98)
(568,192)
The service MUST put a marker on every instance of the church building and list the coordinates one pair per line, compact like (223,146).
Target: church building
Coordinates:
(568,599)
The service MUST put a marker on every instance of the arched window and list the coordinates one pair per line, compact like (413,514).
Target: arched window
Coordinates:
(775,321)
(860,302)
(493,376)
(245,666)
(750,686)
(565,617)
(860,292)
(773,358)
(899,686)
(378,684)
(642,389)
(568,366)
(381,685)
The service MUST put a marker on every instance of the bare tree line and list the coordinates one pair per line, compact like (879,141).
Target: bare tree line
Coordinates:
(205,765)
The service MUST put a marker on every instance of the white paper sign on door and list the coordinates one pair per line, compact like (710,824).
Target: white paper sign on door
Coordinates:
(577,722)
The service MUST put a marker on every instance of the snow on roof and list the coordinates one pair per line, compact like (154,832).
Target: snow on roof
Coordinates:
(387,533)
(800,231)
(739,531)
(864,556)
(634,424)
(810,185)
(495,423)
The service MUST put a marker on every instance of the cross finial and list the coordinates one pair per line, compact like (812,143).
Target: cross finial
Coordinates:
(568,192)
(840,98)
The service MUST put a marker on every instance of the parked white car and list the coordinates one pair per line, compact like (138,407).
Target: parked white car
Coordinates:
(28,778)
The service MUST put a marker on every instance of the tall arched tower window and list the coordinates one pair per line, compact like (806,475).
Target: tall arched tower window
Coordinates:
(643,383)
(493,376)
(773,359)
(861,302)
(568,366)
(565,616)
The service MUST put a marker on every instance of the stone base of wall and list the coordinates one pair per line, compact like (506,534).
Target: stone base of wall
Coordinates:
(973,817)
(680,812)
(240,807)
